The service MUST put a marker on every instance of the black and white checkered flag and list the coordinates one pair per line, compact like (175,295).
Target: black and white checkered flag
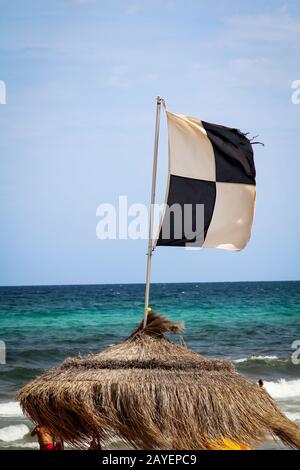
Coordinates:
(210,166)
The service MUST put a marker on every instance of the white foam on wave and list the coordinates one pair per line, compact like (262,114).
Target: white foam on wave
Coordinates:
(293,416)
(263,358)
(255,358)
(13,432)
(283,388)
(22,445)
(10,409)
(29,445)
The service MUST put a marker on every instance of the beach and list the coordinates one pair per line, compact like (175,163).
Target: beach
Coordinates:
(252,324)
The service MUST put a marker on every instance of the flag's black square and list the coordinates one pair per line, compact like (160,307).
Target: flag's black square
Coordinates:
(233,154)
(187,191)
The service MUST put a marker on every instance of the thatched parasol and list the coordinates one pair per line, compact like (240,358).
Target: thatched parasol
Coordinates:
(154,394)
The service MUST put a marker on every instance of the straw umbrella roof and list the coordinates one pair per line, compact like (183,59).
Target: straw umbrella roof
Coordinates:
(154,394)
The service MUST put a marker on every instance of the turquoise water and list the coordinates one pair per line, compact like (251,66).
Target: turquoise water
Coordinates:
(253,324)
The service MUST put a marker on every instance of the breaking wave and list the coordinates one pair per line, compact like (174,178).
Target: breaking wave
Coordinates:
(13,432)
(282,388)
(255,358)
(10,409)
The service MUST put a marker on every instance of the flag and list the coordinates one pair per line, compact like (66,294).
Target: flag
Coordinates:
(210,166)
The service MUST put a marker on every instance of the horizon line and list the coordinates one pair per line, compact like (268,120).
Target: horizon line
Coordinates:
(143,283)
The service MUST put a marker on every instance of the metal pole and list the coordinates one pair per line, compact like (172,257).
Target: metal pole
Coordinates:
(150,240)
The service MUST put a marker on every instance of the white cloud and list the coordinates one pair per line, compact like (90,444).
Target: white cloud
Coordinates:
(243,72)
(132,10)
(260,71)
(82,2)
(118,77)
(152,77)
(274,27)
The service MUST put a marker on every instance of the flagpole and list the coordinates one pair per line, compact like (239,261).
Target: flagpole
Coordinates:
(150,239)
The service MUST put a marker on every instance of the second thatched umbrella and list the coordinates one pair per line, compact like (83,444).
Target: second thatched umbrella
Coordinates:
(154,394)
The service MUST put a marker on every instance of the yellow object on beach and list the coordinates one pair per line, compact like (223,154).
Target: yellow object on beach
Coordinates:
(149,309)
(226,444)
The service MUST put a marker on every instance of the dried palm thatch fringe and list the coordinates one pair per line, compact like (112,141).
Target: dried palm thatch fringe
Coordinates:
(154,394)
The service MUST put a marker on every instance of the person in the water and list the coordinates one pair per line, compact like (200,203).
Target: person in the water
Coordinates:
(44,436)
(46,439)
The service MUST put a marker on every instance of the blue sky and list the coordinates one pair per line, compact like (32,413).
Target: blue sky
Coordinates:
(77,129)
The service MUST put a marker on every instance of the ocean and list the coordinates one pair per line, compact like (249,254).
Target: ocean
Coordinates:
(252,324)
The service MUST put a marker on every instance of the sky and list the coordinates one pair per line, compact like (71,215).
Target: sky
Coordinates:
(77,130)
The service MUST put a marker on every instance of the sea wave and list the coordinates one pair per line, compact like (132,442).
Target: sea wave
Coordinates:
(282,388)
(293,416)
(20,445)
(255,358)
(10,409)
(13,432)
